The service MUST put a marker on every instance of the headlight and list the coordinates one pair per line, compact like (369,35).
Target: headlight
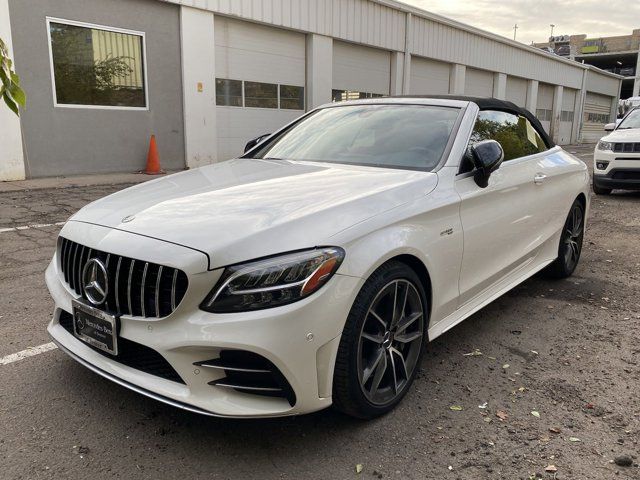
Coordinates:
(274,281)
(605,146)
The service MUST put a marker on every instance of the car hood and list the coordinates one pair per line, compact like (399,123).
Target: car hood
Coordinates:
(245,208)
(624,135)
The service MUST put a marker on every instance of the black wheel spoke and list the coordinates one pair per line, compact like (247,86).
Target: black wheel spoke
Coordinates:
(376,362)
(380,370)
(408,337)
(389,344)
(377,339)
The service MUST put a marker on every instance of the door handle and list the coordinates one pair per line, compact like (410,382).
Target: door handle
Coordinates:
(539,178)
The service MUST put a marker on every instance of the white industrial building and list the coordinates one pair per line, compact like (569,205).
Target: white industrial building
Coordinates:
(220,72)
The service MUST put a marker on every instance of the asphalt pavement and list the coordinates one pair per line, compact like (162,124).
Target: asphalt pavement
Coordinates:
(546,376)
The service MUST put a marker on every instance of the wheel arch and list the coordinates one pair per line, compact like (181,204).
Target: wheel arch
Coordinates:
(421,270)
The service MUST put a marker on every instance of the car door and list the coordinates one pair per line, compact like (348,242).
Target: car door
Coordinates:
(501,222)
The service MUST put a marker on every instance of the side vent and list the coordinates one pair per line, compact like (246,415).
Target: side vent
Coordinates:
(248,372)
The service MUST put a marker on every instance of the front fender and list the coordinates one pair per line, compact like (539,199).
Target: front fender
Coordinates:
(428,229)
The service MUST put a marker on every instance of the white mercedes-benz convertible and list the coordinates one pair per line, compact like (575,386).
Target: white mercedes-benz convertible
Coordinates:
(314,269)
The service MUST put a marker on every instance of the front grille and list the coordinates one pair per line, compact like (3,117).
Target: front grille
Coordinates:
(136,288)
(248,372)
(132,354)
(626,147)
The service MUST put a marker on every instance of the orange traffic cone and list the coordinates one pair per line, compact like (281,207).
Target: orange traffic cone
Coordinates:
(153,159)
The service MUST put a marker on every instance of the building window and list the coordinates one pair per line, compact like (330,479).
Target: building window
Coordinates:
(591,117)
(544,115)
(291,97)
(566,116)
(96,66)
(260,95)
(228,92)
(343,95)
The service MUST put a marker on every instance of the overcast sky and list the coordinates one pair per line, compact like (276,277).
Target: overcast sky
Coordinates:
(596,18)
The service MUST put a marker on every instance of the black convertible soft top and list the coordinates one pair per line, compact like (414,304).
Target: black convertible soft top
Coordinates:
(485,103)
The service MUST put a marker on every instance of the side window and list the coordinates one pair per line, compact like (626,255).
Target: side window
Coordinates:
(515,133)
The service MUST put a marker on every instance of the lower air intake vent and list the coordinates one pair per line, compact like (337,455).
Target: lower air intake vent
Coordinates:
(132,355)
(249,372)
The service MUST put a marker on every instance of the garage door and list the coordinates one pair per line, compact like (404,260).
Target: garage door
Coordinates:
(478,83)
(544,110)
(260,78)
(566,115)
(597,113)
(517,90)
(429,77)
(360,72)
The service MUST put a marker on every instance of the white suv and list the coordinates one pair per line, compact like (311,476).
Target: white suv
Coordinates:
(617,156)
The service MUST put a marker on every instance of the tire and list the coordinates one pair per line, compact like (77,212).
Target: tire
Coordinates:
(380,351)
(600,190)
(570,247)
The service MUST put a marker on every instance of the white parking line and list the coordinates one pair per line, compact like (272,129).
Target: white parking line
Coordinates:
(27,227)
(29,352)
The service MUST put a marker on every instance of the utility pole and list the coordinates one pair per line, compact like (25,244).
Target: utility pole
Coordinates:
(552,26)
(515,29)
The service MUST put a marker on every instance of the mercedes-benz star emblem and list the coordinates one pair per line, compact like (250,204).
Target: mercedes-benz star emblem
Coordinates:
(95,281)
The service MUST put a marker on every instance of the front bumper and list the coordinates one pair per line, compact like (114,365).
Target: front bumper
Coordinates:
(300,339)
(622,170)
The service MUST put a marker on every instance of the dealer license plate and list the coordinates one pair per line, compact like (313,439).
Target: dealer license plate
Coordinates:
(95,327)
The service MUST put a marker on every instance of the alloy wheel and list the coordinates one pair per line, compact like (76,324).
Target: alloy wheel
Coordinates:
(573,233)
(390,342)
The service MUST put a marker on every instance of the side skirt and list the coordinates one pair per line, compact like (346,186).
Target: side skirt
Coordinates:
(481,301)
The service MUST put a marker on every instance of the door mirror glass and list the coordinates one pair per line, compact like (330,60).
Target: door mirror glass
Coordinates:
(252,143)
(609,127)
(486,156)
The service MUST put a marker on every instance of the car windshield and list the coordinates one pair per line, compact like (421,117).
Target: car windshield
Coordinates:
(632,120)
(396,136)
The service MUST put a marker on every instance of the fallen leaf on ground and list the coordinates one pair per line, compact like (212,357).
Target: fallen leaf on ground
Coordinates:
(551,469)
(574,439)
(535,414)
(359,468)
(555,430)
(475,353)
(502,415)
(505,366)
(455,408)
(483,406)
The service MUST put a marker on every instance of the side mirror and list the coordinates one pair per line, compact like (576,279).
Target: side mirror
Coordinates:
(486,156)
(252,143)
(609,127)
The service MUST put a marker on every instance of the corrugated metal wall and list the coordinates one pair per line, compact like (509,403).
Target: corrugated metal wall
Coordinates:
(517,90)
(597,110)
(429,77)
(478,83)
(362,69)
(360,21)
(446,42)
